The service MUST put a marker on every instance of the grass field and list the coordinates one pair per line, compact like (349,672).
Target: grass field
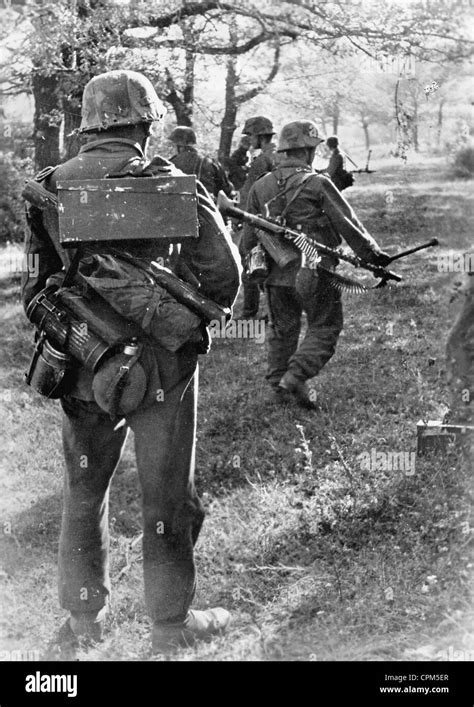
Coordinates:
(318,557)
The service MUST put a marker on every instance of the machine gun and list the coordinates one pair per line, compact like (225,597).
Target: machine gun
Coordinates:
(312,249)
(366,169)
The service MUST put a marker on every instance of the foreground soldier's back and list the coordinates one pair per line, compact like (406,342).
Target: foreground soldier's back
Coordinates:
(118,110)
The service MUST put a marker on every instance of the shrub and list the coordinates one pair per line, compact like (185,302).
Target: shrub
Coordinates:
(13,172)
(463,163)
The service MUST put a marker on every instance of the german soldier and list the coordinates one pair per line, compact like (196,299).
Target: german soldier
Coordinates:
(336,162)
(118,110)
(310,202)
(190,161)
(260,131)
(238,163)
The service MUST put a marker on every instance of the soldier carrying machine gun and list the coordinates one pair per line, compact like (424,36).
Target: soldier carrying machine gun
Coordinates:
(304,215)
(282,254)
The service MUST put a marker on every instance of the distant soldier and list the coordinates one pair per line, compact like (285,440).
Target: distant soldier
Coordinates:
(336,167)
(238,163)
(190,161)
(309,202)
(260,131)
(460,357)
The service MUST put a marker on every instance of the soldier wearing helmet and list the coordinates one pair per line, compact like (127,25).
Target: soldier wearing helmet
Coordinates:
(304,200)
(118,110)
(190,161)
(238,163)
(260,131)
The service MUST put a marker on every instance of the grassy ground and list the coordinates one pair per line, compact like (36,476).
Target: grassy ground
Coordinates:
(318,558)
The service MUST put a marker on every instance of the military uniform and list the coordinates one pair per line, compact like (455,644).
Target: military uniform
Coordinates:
(190,161)
(335,167)
(207,170)
(312,204)
(164,432)
(238,164)
(260,165)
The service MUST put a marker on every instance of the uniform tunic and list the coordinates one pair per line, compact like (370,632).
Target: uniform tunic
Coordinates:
(207,170)
(261,165)
(164,432)
(319,210)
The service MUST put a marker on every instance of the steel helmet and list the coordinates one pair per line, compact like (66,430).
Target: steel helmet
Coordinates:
(183,135)
(119,98)
(258,125)
(300,133)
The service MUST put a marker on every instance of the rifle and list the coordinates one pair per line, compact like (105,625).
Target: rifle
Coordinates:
(312,249)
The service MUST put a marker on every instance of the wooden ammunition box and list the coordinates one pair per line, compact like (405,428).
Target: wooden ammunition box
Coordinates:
(434,437)
(96,210)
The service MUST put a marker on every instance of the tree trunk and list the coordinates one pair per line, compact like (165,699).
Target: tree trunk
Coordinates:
(335,118)
(228,124)
(183,105)
(323,124)
(440,122)
(180,108)
(365,128)
(72,120)
(47,119)
(415,124)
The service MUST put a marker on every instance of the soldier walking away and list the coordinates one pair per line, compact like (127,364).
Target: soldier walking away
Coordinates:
(336,168)
(190,161)
(260,131)
(238,164)
(305,201)
(118,110)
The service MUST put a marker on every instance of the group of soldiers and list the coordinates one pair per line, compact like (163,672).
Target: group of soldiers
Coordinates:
(280,182)
(118,112)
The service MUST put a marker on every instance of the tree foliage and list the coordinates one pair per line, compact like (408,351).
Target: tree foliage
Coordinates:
(66,42)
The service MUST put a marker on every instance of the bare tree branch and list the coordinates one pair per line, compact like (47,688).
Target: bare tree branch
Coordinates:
(251,93)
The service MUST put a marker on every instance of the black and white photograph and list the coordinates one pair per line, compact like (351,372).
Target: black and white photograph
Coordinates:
(237,350)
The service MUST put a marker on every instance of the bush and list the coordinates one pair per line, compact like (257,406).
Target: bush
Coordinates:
(463,163)
(13,172)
